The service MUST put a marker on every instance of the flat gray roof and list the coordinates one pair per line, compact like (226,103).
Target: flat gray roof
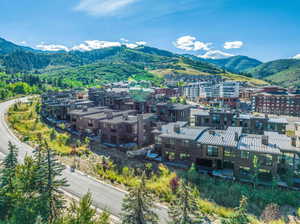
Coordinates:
(175,106)
(130,119)
(253,143)
(102,115)
(189,133)
(88,111)
(281,141)
(220,137)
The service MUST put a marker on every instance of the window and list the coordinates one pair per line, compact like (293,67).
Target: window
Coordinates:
(245,155)
(170,156)
(186,142)
(157,140)
(228,153)
(184,156)
(216,119)
(212,151)
(267,160)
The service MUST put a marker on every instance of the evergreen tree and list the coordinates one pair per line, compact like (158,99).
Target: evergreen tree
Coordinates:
(26,200)
(83,213)
(184,209)
(50,171)
(240,216)
(9,168)
(7,177)
(138,206)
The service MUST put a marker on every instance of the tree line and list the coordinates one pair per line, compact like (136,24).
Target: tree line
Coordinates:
(30,193)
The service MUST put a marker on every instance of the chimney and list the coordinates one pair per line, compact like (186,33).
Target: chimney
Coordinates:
(177,128)
(294,141)
(265,140)
(125,116)
(211,132)
(266,116)
(159,126)
(236,136)
(109,115)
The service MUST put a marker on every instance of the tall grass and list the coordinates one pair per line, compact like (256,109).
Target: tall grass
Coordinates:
(24,119)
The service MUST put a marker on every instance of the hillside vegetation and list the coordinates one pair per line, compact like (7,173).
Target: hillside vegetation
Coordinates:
(236,64)
(96,67)
(284,72)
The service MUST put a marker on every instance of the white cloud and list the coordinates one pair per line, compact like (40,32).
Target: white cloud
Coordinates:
(124,40)
(190,43)
(23,42)
(141,43)
(102,7)
(233,44)
(215,54)
(131,45)
(297,56)
(136,44)
(52,47)
(89,45)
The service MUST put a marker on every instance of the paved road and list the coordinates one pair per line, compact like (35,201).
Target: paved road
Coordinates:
(105,196)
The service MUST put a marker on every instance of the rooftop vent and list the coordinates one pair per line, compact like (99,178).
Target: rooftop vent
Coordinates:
(109,115)
(212,132)
(177,128)
(294,141)
(236,136)
(265,140)
(159,126)
(125,116)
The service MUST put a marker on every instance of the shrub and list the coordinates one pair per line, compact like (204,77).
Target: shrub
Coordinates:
(270,213)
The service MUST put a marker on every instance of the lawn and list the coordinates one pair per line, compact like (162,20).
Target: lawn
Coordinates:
(26,122)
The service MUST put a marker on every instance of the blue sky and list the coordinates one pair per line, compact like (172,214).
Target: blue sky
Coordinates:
(263,29)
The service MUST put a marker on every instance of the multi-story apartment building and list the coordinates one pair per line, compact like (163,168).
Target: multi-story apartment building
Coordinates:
(192,90)
(274,100)
(212,93)
(218,119)
(255,124)
(114,127)
(168,112)
(219,90)
(87,120)
(226,149)
(113,98)
(126,129)
(57,105)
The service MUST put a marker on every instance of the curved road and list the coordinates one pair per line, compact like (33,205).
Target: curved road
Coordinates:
(105,196)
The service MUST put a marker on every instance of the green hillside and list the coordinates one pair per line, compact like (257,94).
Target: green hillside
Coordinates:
(236,64)
(76,68)
(284,72)
(7,47)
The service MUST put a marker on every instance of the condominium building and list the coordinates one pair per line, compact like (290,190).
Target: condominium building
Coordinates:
(226,149)
(255,124)
(274,100)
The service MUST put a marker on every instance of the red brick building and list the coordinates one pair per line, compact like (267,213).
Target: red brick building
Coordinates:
(274,100)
